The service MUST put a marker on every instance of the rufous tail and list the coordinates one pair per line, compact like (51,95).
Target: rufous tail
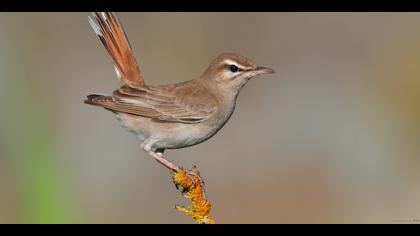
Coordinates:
(112,35)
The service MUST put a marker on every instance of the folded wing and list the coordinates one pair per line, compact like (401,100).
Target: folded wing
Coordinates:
(159,103)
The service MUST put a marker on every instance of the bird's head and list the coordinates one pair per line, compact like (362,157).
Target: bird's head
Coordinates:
(232,71)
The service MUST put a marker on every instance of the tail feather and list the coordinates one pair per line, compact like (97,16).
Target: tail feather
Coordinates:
(113,37)
(97,99)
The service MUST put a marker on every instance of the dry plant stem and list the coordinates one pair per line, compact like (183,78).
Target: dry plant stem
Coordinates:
(191,185)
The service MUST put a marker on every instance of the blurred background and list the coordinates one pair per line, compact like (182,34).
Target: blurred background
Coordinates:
(332,137)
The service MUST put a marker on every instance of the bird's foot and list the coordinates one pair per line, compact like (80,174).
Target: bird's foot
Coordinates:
(192,173)
(187,182)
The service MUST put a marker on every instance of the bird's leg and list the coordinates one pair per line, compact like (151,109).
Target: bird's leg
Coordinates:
(159,158)
(158,155)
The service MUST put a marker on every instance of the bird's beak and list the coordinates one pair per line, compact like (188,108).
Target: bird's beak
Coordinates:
(260,70)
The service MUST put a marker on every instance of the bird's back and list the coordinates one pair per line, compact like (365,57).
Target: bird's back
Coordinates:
(186,102)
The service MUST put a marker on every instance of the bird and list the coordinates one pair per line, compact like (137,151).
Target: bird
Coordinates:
(169,116)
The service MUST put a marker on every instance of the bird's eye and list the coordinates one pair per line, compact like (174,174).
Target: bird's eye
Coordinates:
(233,68)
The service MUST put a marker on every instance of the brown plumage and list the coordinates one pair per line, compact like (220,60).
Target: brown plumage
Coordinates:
(170,116)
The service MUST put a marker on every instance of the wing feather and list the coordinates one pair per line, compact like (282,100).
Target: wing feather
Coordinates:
(157,103)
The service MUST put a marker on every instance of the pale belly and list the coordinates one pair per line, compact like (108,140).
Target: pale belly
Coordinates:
(164,135)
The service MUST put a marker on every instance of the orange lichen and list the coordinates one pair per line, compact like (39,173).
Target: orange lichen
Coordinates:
(192,187)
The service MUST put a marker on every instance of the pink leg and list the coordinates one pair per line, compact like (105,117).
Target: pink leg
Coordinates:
(159,158)
(146,145)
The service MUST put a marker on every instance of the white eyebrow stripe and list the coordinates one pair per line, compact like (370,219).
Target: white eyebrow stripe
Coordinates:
(230,62)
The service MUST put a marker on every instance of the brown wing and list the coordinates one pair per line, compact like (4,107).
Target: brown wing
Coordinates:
(164,103)
(113,37)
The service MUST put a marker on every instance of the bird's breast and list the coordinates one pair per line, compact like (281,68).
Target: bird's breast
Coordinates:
(180,135)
